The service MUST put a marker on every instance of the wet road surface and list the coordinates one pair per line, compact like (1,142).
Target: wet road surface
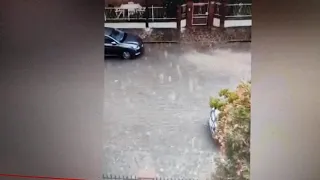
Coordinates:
(156,108)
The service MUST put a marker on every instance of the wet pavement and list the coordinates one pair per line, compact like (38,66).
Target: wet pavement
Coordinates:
(200,35)
(156,108)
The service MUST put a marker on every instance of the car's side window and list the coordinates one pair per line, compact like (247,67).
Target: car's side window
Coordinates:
(107,40)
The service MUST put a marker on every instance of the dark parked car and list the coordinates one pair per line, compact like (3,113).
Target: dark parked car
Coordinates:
(119,43)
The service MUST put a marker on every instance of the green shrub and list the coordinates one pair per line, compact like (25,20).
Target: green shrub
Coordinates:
(233,132)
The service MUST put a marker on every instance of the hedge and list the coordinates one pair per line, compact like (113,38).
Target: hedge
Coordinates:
(233,132)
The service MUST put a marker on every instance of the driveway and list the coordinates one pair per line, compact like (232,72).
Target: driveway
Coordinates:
(156,108)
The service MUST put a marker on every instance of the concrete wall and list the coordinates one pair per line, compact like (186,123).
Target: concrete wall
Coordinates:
(238,23)
(138,25)
(232,23)
(216,22)
(141,25)
(126,25)
(183,23)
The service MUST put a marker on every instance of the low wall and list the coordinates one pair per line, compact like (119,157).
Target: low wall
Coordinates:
(238,23)
(142,25)
(233,23)
(126,25)
(159,25)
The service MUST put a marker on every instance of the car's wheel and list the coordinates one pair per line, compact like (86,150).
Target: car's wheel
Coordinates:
(126,55)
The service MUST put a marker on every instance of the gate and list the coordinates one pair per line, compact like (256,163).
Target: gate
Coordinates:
(200,14)
(112,177)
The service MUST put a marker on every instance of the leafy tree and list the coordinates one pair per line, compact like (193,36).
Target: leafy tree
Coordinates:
(233,132)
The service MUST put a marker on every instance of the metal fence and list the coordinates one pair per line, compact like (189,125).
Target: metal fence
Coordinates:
(200,13)
(119,14)
(154,14)
(113,177)
(239,10)
(199,16)
(104,176)
(235,11)
(183,11)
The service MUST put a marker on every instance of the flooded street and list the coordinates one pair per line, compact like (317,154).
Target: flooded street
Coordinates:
(156,108)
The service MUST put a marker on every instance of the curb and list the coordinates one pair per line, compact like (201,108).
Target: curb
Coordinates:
(177,42)
(241,41)
(162,42)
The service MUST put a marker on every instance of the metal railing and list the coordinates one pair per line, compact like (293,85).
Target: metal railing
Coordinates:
(239,10)
(119,14)
(183,11)
(159,13)
(123,14)
(104,176)
(217,9)
(113,177)
(200,8)
(200,13)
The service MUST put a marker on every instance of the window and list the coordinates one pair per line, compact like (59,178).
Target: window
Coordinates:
(117,35)
(107,40)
